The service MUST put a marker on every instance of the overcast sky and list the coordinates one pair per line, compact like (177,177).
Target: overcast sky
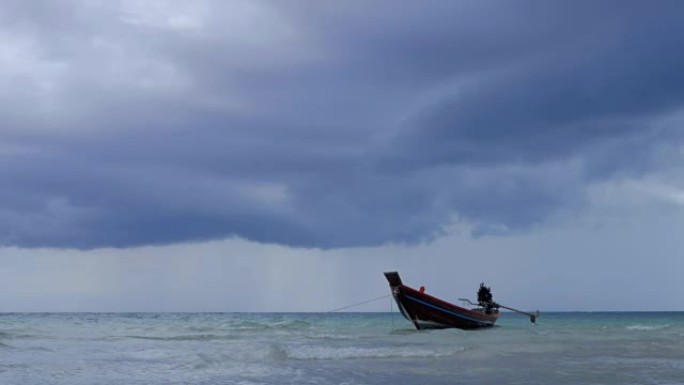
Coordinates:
(170,155)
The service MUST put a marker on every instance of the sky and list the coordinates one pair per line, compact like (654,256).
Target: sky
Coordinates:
(165,155)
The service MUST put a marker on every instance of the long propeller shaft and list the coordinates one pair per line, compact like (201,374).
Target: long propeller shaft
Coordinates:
(533,317)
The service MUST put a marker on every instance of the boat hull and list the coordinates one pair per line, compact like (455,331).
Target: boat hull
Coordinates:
(428,312)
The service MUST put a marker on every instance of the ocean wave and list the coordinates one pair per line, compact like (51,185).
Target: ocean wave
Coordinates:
(5,346)
(356,337)
(259,326)
(333,337)
(331,353)
(12,336)
(403,332)
(292,325)
(190,337)
(647,327)
(248,325)
(24,349)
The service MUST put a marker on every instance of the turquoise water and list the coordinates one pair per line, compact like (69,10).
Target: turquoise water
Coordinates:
(338,348)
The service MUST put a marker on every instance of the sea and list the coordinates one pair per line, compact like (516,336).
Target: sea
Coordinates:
(338,348)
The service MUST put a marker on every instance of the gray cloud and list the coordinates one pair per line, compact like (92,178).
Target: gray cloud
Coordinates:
(323,126)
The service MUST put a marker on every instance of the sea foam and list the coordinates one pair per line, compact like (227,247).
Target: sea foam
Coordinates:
(333,353)
(647,327)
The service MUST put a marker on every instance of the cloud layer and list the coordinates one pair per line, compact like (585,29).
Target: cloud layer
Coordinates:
(153,122)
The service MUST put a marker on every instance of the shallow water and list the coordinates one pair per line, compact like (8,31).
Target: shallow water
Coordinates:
(338,348)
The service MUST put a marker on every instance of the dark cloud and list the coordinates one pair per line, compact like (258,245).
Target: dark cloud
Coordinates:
(320,126)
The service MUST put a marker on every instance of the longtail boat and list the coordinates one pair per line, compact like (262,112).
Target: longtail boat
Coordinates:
(428,312)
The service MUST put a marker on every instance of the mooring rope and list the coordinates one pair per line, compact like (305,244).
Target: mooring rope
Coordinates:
(392,312)
(360,303)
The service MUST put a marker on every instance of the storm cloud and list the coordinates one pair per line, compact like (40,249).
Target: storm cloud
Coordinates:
(325,125)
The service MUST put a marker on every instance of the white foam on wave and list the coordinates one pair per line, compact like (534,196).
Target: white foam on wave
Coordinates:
(331,336)
(647,327)
(330,353)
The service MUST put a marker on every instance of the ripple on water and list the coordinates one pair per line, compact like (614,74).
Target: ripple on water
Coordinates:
(308,352)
